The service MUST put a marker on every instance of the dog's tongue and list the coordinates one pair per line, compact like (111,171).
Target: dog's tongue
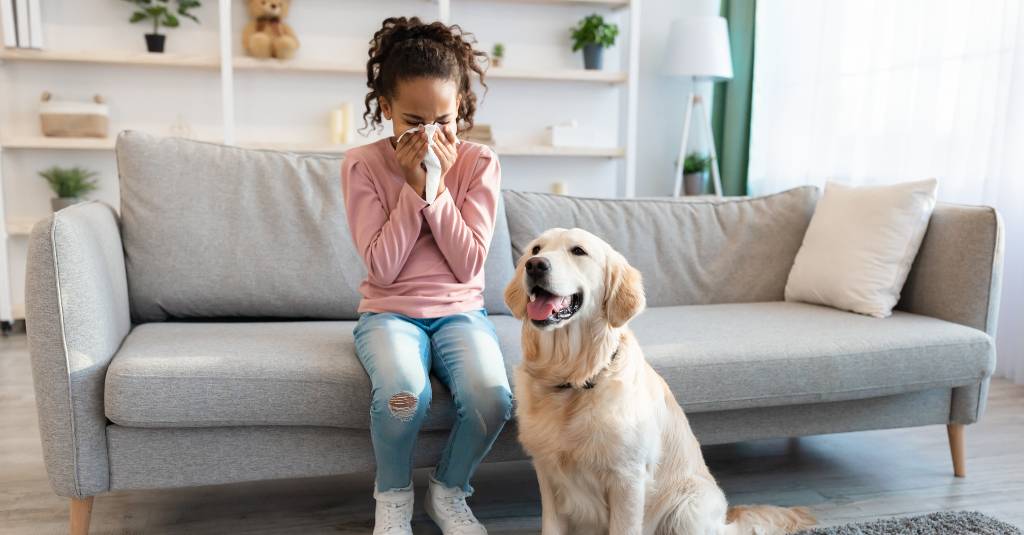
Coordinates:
(540,308)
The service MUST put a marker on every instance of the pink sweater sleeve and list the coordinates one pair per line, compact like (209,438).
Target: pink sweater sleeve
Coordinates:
(463,236)
(383,239)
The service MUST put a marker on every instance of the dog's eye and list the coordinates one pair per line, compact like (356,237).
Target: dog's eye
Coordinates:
(536,249)
(578,251)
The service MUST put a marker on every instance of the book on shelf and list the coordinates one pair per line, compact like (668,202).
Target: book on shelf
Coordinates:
(9,28)
(35,21)
(21,21)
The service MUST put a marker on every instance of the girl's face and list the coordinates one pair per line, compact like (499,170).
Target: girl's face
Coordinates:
(421,101)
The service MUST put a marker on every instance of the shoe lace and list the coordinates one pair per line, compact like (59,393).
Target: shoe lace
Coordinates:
(458,511)
(394,516)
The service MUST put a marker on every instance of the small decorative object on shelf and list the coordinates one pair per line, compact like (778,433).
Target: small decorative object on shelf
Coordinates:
(161,13)
(65,118)
(341,124)
(593,35)
(267,35)
(70,185)
(480,133)
(559,188)
(695,173)
(497,54)
(181,128)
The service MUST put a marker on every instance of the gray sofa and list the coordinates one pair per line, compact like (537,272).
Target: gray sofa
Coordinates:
(203,335)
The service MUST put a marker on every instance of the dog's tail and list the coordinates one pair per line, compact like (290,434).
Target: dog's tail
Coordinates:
(767,520)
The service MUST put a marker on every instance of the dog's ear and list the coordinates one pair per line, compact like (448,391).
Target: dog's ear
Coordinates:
(515,295)
(624,290)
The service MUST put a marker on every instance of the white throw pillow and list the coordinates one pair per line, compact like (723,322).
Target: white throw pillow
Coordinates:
(860,245)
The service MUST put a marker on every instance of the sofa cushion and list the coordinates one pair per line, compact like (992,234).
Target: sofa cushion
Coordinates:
(203,374)
(215,231)
(691,252)
(714,357)
(734,356)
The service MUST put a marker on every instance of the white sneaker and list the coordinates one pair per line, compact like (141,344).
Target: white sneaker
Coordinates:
(394,511)
(447,507)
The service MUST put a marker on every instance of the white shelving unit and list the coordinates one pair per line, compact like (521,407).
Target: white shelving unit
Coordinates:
(233,68)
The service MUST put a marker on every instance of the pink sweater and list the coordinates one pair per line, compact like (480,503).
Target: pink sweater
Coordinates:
(423,260)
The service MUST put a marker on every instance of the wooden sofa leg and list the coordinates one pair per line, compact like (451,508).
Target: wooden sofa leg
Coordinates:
(81,513)
(957,450)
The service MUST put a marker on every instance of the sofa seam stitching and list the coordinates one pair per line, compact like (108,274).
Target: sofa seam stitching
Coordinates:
(852,390)
(858,353)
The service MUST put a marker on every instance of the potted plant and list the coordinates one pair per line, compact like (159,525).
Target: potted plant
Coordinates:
(70,185)
(161,13)
(497,54)
(593,35)
(695,173)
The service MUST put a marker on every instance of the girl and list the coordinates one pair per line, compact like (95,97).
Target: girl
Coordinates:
(422,307)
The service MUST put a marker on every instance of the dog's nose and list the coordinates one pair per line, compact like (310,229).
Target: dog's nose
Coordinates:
(537,266)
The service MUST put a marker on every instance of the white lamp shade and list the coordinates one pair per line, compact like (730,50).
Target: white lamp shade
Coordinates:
(699,47)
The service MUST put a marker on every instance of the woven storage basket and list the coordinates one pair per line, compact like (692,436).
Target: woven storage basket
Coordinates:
(64,118)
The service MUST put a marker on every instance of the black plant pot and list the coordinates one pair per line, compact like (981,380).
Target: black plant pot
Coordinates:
(155,42)
(593,57)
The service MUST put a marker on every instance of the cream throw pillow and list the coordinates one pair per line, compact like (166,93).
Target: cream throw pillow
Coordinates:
(860,245)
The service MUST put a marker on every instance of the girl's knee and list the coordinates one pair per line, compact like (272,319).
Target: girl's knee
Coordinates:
(402,405)
(490,407)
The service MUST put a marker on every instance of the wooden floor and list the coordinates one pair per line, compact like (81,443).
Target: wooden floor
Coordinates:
(843,478)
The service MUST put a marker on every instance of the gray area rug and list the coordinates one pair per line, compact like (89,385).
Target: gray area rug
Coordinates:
(945,523)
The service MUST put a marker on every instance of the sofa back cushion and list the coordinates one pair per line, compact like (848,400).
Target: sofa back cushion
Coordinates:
(212,231)
(690,252)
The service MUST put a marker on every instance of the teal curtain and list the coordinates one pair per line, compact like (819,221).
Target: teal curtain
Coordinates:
(730,116)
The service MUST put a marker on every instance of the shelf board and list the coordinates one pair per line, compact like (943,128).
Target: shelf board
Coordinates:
(564,75)
(245,63)
(548,150)
(57,143)
(64,143)
(109,57)
(20,226)
(273,65)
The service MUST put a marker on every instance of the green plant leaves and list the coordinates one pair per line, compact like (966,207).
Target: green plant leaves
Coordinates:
(696,163)
(70,182)
(160,13)
(593,30)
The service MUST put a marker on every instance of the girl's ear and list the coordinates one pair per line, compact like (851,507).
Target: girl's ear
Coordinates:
(623,292)
(515,294)
(385,107)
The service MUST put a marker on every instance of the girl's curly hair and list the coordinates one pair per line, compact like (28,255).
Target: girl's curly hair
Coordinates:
(405,48)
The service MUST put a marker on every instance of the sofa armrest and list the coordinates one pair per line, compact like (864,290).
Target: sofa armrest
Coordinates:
(957,277)
(76,316)
(958,271)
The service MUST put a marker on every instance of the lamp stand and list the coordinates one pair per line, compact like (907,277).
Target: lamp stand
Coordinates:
(696,102)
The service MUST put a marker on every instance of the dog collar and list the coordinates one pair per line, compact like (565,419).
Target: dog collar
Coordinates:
(593,380)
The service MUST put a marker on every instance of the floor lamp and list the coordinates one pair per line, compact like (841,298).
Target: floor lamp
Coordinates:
(698,48)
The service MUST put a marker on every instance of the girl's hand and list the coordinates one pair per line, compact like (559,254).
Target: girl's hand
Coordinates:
(410,152)
(447,152)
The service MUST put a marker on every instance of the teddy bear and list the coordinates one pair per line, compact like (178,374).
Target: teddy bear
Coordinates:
(267,35)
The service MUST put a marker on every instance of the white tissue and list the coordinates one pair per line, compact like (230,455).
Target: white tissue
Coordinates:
(430,160)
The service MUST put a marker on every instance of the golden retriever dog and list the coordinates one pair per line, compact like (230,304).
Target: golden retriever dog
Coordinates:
(613,451)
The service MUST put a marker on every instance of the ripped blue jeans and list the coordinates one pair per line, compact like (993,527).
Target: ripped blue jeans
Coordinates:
(399,352)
